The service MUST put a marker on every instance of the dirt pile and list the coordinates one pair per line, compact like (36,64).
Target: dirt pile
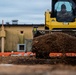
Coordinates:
(54,42)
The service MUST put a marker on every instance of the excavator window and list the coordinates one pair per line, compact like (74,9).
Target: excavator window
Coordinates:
(67,5)
(64,12)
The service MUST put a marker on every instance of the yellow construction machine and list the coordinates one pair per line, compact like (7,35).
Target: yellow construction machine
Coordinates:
(62,17)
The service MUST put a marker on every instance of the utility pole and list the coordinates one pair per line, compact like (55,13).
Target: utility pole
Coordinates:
(2,37)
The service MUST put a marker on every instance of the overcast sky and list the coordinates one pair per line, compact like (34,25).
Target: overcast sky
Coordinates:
(26,11)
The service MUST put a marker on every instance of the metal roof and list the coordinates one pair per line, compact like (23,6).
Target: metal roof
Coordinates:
(23,24)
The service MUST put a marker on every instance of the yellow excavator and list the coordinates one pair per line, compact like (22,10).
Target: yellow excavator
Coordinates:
(62,18)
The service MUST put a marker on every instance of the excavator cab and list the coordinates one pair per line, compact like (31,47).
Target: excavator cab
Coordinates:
(62,18)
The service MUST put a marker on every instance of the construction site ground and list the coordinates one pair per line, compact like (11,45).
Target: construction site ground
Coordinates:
(36,65)
(18,65)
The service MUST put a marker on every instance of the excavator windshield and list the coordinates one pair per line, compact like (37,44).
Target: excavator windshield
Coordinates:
(64,11)
(68,6)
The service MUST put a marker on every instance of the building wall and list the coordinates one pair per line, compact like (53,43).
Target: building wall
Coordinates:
(15,36)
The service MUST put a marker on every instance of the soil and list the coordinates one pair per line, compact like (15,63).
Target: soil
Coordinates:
(32,66)
(37,70)
(23,60)
(54,42)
